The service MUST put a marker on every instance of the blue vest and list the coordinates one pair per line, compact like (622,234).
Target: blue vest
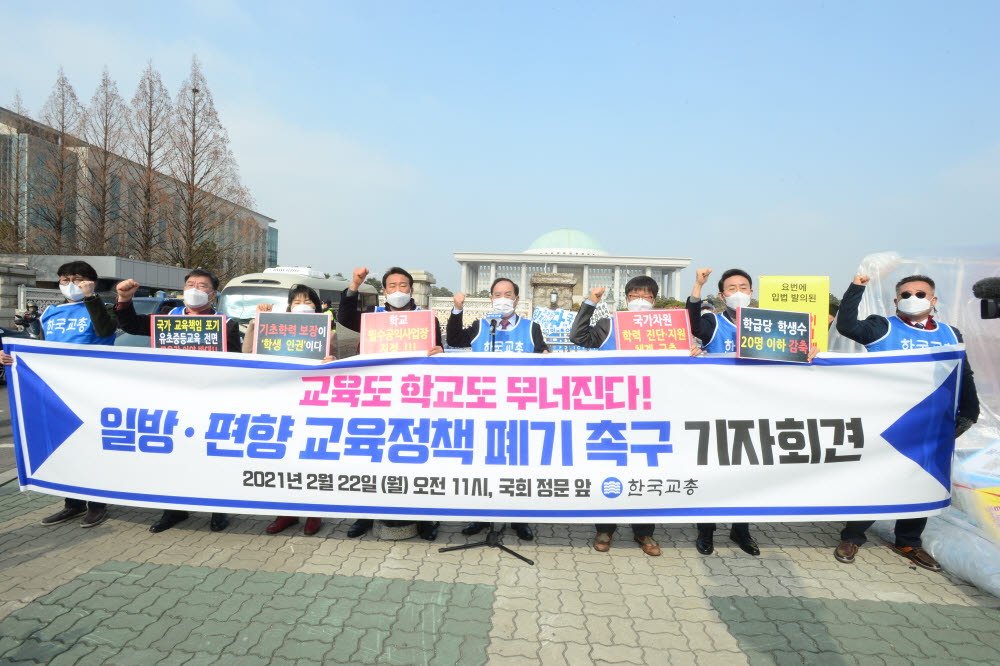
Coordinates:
(70,322)
(723,340)
(903,336)
(515,339)
(179,310)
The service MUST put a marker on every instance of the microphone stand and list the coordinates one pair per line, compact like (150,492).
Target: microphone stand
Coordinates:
(494,539)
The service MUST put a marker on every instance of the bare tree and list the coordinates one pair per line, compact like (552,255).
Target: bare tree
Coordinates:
(99,229)
(13,179)
(52,193)
(148,146)
(210,198)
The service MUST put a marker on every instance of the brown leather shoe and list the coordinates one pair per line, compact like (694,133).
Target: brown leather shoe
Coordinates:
(845,552)
(649,545)
(918,556)
(602,542)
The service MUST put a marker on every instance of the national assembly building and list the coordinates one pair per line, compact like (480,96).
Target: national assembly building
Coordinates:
(570,251)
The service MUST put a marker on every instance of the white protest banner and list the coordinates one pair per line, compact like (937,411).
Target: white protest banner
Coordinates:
(585,437)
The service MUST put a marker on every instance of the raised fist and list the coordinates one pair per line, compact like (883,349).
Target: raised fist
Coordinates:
(264,307)
(459,300)
(702,275)
(87,287)
(126,290)
(596,293)
(861,279)
(359,278)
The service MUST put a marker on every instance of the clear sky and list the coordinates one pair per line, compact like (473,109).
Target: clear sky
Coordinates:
(781,137)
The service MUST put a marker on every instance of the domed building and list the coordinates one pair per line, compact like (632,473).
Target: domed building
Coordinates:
(570,251)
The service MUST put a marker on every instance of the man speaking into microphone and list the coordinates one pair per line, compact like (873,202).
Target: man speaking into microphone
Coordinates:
(504,331)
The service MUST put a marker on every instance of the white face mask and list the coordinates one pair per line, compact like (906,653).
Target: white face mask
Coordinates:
(503,306)
(639,304)
(195,298)
(304,308)
(913,305)
(397,299)
(738,300)
(71,291)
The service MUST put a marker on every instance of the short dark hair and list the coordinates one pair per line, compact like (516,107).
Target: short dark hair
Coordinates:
(642,282)
(517,292)
(396,270)
(915,278)
(197,272)
(734,271)
(81,268)
(310,293)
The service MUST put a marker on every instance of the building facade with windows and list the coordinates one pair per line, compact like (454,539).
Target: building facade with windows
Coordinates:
(27,150)
(575,252)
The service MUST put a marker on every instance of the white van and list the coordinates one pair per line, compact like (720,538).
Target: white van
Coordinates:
(240,297)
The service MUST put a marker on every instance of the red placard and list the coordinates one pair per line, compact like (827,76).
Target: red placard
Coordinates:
(409,331)
(653,329)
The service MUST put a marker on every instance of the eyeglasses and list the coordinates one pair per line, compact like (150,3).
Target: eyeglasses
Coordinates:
(918,294)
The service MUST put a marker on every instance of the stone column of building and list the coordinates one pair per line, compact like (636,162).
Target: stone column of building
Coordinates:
(542,285)
(421,291)
(493,271)
(617,283)
(464,283)
(524,275)
(675,278)
(586,282)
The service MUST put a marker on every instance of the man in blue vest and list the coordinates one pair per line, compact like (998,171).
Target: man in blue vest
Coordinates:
(507,333)
(640,294)
(717,332)
(397,286)
(81,320)
(200,290)
(912,327)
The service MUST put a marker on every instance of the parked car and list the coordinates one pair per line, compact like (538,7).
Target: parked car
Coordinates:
(146,305)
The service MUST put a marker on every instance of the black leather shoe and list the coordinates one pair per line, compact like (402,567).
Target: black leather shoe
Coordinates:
(704,543)
(474,528)
(94,517)
(745,542)
(428,530)
(168,520)
(523,532)
(360,526)
(220,521)
(69,513)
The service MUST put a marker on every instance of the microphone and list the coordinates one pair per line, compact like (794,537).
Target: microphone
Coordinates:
(987,288)
(493,333)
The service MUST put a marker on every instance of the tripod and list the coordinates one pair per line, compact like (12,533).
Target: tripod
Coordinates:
(494,539)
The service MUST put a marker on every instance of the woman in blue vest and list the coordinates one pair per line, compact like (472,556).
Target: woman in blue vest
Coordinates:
(81,320)
(640,294)
(397,287)
(912,327)
(509,333)
(303,300)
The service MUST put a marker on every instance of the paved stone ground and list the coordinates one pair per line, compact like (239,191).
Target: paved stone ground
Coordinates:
(117,594)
